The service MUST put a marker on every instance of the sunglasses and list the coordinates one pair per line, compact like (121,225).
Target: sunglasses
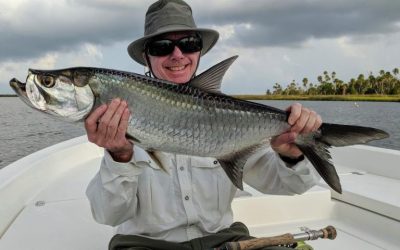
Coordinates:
(163,47)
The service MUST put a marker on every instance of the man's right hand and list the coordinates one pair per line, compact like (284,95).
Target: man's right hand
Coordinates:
(106,127)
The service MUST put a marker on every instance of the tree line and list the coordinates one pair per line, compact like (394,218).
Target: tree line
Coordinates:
(386,83)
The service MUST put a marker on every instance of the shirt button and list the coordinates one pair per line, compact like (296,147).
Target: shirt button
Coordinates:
(186,197)
(182,168)
(215,162)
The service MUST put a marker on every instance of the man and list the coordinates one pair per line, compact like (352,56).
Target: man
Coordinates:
(189,208)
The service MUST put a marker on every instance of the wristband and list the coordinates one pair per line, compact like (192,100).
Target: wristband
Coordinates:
(292,161)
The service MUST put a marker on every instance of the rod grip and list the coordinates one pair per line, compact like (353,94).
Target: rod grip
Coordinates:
(284,239)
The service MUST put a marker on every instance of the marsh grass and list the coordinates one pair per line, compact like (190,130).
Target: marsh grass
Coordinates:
(359,98)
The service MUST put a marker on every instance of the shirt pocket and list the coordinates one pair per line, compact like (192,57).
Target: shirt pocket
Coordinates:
(211,184)
(158,200)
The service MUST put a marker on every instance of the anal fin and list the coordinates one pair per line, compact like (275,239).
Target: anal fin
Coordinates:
(233,164)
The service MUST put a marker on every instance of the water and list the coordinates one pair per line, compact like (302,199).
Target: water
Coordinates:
(381,115)
(24,130)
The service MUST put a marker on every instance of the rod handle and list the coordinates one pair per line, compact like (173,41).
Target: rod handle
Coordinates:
(284,239)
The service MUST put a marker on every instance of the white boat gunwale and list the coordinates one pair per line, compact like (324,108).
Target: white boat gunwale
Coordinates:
(45,189)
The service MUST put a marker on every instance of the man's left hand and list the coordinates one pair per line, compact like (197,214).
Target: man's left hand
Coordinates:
(302,120)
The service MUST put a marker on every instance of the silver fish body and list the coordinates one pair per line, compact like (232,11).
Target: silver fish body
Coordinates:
(193,119)
(186,120)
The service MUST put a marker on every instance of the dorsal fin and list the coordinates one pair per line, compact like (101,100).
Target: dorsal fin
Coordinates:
(210,80)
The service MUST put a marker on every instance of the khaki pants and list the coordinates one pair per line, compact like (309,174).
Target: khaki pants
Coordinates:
(237,231)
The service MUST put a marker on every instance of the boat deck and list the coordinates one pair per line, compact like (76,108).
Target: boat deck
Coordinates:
(51,210)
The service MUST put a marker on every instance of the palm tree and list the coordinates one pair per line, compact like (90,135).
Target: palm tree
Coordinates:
(374,83)
(277,89)
(327,77)
(305,83)
(333,75)
(319,78)
(395,71)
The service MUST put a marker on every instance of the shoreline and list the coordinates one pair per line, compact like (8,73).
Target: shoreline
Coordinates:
(4,95)
(359,98)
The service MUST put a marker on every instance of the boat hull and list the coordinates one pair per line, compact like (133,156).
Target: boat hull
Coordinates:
(51,199)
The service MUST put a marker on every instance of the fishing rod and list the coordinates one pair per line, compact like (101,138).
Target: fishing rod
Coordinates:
(328,232)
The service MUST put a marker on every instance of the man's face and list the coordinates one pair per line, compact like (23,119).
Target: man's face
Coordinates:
(176,67)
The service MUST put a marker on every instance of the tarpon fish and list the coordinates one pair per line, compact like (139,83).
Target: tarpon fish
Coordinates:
(191,119)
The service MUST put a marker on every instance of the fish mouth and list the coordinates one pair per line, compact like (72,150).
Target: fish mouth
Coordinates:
(20,89)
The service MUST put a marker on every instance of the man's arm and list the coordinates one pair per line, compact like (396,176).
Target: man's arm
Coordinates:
(282,169)
(112,191)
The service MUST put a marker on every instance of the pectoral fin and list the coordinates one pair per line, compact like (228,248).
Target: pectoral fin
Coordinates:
(131,138)
(156,160)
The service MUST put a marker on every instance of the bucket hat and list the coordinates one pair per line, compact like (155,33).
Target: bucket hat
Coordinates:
(166,16)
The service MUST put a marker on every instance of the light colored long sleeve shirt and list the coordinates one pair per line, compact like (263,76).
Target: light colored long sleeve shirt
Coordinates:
(192,200)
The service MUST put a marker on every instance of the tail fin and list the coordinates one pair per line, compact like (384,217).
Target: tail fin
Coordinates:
(345,135)
(315,147)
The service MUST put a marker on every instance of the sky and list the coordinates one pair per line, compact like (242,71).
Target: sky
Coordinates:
(276,40)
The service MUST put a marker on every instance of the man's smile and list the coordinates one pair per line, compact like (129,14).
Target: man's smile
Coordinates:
(176,68)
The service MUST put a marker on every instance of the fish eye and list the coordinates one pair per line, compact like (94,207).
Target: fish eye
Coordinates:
(47,81)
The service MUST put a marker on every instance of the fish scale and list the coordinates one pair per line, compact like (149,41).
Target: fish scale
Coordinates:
(184,122)
(192,119)
(152,123)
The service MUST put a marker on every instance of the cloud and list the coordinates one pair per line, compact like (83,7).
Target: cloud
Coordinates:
(84,55)
(32,28)
(291,23)
(277,40)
